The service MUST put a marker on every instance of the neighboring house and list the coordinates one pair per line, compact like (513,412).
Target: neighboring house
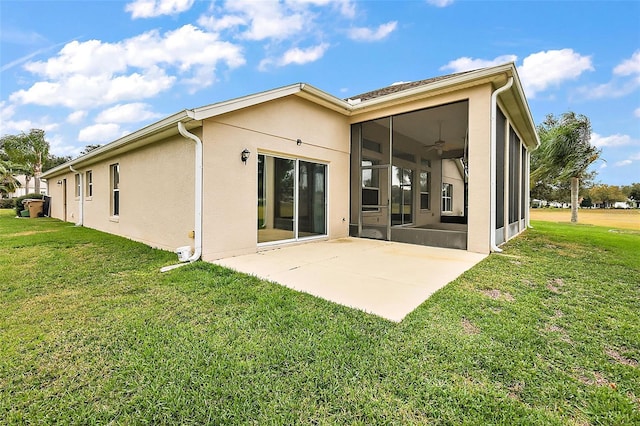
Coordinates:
(23,190)
(442,162)
(621,205)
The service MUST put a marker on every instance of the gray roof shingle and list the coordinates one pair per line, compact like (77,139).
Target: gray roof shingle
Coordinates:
(402,86)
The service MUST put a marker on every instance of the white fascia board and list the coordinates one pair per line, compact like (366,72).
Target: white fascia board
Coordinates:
(325,99)
(184,116)
(299,89)
(208,111)
(525,105)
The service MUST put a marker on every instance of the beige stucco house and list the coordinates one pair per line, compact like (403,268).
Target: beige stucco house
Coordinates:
(441,162)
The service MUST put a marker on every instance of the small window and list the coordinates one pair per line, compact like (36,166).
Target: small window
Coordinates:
(425,185)
(370,185)
(77,180)
(115,189)
(447,197)
(89,183)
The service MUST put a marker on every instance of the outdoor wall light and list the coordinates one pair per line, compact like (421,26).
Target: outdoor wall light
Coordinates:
(298,142)
(59,182)
(244,155)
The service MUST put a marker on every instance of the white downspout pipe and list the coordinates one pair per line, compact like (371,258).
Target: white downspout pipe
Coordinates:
(198,199)
(494,113)
(81,207)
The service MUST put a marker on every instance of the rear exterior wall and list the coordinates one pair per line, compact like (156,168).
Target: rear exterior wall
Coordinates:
(156,194)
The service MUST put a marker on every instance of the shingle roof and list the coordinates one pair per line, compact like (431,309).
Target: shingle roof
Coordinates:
(402,86)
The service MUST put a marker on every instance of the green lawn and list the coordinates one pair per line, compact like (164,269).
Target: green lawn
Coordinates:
(91,332)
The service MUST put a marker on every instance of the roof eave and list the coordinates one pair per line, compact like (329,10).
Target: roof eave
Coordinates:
(139,135)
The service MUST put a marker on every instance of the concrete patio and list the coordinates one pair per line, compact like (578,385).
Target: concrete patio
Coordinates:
(380,277)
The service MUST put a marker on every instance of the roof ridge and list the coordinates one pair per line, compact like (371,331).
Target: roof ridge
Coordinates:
(394,88)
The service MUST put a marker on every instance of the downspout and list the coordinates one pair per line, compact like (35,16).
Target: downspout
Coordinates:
(494,113)
(81,207)
(198,199)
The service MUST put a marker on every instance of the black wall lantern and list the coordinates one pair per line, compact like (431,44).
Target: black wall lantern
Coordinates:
(244,155)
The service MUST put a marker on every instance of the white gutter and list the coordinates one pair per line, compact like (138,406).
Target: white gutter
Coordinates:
(81,207)
(494,106)
(198,199)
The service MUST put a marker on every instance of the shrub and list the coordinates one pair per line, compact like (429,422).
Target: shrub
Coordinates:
(19,207)
(7,203)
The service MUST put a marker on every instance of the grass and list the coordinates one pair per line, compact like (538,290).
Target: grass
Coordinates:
(614,218)
(548,332)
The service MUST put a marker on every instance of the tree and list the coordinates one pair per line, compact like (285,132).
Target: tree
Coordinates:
(606,194)
(8,181)
(87,149)
(565,153)
(30,150)
(54,161)
(632,191)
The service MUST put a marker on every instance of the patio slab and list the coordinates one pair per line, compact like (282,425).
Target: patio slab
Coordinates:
(384,278)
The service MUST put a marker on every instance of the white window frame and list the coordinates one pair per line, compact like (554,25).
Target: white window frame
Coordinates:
(447,197)
(427,192)
(114,187)
(89,183)
(77,184)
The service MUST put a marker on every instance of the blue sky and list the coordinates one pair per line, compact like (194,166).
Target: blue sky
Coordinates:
(88,72)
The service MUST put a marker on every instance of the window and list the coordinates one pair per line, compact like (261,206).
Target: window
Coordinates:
(115,189)
(89,183)
(425,185)
(370,185)
(447,197)
(77,181)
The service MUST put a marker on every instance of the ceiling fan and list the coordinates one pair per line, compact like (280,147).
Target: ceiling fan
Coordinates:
(438,145)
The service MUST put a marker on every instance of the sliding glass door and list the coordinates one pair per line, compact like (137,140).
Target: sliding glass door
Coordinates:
(292,199)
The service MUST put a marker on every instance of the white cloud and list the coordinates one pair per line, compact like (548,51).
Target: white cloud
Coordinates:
(637,112)
(100,133)
(154,8)
(267,19)
(59,146)
(303,56)
(9,126)
(224,23)
(623,163)
(541,70)
(127,113)
(612,89)
(367,34)
(538,71)
(94,73)
(629,66)
(440,3)
(467,64)
(635,157)
(611,141)
(626,80)
(603,166)
(76,116)
(296,56)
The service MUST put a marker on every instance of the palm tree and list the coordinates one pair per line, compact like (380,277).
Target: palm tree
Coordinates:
(30,150)
(8,181)
(565,153)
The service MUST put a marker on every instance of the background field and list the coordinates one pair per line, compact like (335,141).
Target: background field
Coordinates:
(614,218)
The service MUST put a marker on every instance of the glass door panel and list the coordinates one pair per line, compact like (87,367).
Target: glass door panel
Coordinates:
(401,196)
(374,214)
(276,201)
(311,199)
